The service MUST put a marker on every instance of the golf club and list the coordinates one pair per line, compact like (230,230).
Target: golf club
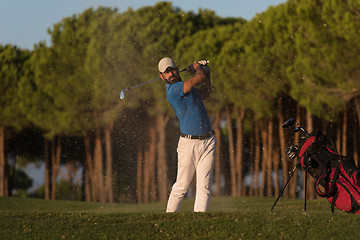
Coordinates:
(297,129)
(292,123)
(122,93)
(289,123)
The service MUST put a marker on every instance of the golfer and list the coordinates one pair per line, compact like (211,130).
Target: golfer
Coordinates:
(196,147)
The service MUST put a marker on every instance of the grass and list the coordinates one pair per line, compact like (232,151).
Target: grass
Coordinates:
(228,218)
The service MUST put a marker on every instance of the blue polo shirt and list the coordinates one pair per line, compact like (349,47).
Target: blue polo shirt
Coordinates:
(189,109)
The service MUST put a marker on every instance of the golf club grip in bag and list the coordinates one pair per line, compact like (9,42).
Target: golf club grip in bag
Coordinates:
(336,176)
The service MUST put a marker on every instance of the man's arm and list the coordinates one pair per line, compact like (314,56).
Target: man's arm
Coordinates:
(198,78)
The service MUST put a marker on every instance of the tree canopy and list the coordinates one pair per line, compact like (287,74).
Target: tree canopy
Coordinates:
(300,51)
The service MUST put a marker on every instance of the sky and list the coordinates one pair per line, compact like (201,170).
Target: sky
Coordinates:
(26,22)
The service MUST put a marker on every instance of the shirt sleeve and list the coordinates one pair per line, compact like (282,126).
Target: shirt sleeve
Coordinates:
(177,90)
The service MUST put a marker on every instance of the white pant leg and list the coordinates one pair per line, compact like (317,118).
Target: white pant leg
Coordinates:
(204,173)
(185,173)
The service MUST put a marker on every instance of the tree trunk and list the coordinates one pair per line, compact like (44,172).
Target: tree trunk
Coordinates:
(2,161)
(276,160)
(89,173)
(357,106)
(231,152)
(264,140)
(53,168)
(311,181)
(338,137)
(149,167)
(162,177)
(269,158)
(257,158)
(218,153)
(146,197)
(152,162)
(47,170)
(284,164)
(252,177)
(356,151)
(139,174)
(355,146)
(98,168)
(71,172)
(4,191)
(55,164)
(344,131)
(293,183)
(239,150)
(109,165)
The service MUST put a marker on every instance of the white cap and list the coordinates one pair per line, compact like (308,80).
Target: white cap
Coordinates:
(165,63)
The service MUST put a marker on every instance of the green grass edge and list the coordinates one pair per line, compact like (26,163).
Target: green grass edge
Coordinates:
(227,218)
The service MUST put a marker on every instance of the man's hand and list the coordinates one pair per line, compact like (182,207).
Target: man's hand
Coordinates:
(194,67)
(203,65)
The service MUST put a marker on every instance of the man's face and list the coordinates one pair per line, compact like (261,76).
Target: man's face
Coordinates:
(171,75)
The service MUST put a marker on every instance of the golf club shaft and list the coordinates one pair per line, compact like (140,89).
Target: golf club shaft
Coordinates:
(282,191)
(141,84)
(126,89)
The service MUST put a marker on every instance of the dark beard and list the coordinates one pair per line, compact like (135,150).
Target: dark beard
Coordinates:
(178,79)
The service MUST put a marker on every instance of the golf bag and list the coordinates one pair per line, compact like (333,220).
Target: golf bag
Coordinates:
(337,177)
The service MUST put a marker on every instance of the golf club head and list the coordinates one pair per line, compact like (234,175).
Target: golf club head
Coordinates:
(292,151)
(289,123)
(122,95)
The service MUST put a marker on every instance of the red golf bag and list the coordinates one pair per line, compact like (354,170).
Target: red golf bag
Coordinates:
(337,177)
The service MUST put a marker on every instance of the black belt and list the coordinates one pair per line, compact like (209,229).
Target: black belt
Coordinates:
(200,137)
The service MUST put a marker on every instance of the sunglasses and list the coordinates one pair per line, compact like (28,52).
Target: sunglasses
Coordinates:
(170,69)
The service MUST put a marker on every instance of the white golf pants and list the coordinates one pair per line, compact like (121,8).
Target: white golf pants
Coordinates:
(193,156)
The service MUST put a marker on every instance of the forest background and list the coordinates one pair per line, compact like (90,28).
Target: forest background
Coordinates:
(60,104)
